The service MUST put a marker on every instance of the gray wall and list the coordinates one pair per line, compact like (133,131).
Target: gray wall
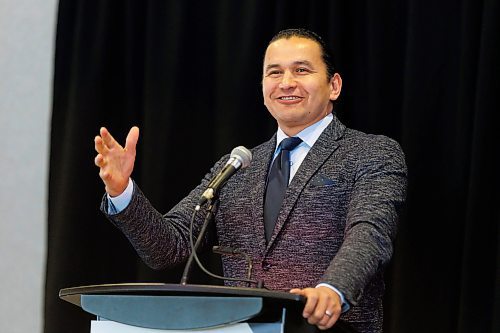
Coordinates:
(27,30)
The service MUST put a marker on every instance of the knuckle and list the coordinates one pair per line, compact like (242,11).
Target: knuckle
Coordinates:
(313,297)
(319,315)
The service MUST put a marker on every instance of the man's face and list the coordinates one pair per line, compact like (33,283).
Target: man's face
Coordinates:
(296,90)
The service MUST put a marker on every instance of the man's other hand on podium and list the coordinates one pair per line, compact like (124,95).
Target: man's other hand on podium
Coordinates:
(323,306)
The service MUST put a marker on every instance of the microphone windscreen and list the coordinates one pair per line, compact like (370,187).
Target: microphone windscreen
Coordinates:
(242,154)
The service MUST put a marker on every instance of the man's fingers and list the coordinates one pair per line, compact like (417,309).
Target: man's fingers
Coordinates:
(99,161)
(312,300)
(297,291)
(319,316)
(99,145)
(333,319)
(329,322)
(329,318)
(333,308)
(108,140)
(104,175)
(132,138)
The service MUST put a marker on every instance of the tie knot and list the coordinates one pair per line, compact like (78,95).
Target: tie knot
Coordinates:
(290,143)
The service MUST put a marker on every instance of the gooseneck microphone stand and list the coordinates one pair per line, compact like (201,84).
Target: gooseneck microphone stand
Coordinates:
(195,245)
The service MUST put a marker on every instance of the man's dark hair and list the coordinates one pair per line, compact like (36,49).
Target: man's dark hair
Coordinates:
(326,52)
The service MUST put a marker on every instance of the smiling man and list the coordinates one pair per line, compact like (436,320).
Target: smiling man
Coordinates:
(316,210)
(298,89)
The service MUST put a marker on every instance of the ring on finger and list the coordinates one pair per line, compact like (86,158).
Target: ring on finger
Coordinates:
(328,313)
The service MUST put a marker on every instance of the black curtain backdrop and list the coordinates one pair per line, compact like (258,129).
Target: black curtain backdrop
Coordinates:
(425,73)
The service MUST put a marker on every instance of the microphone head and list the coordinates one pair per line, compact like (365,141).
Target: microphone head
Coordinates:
(243,155)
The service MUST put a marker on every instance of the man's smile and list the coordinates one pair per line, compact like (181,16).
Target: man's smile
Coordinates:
(289,99)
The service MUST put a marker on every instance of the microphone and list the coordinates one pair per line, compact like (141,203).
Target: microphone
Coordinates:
(240,158)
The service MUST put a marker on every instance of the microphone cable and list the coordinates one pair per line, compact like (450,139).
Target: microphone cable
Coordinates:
(194,247)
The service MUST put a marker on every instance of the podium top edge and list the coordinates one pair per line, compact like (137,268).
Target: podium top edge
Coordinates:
(73,294)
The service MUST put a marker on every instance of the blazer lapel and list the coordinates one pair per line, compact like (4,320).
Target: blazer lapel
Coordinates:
(326,144)
(258,170)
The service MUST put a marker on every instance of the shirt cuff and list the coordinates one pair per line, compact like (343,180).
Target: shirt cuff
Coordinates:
(345,305)
(120,202)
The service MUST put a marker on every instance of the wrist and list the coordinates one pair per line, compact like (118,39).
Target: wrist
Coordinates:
(118,190)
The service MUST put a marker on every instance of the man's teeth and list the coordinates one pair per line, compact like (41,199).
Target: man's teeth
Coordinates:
(289,98)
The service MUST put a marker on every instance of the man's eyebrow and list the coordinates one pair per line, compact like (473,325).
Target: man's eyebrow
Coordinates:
(303,62)
(271,66)
(295,63)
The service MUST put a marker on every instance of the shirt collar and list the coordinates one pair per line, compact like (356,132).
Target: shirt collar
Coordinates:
(308,135)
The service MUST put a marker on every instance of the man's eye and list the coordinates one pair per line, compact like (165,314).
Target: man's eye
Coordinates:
(273,73)
(302,70)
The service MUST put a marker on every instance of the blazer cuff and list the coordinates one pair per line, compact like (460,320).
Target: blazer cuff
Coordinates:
(120,202)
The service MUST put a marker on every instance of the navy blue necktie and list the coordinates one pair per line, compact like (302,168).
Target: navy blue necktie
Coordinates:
(278,177)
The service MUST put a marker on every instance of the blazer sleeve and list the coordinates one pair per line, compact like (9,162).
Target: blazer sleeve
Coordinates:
(376,199)
(161,240)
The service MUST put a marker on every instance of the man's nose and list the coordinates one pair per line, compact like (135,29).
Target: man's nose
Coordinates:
(287,81)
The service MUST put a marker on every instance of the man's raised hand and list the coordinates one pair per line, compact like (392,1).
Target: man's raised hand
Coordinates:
(115,162)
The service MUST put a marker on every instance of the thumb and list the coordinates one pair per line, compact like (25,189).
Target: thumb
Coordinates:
(296,291)
(132,138)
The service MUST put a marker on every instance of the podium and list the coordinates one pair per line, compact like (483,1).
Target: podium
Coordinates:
(188,307)
(192,307)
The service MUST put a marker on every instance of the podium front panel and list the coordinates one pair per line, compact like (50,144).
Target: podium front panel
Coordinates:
(172,312)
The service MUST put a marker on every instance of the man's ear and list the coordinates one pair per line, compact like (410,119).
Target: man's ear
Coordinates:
(335,86)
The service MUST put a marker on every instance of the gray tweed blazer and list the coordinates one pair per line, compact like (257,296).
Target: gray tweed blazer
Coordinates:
(337,223)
